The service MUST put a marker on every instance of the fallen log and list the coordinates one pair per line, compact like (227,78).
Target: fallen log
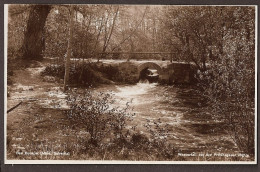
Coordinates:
(14,107)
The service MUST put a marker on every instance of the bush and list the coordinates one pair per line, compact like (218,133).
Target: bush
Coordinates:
(54,70)
(83,74)
(109,71)
(86,74)
(228,87)
(229,82)
(97,116)
(110,136)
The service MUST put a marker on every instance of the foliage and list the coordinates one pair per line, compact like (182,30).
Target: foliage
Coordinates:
(84,38)
(229,82)
(54,70)
(86,74)
(109,71)
(56,33)
(18,17)
(220,41)
(97,28)
(96,114)
(83,74)
(230,93)
(197,34)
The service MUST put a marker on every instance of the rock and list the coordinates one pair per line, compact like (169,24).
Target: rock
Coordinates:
(49,78)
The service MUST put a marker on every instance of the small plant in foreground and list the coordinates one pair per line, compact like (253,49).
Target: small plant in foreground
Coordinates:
(95,113)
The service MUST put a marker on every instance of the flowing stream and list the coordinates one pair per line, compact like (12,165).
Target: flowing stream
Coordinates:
(176,111)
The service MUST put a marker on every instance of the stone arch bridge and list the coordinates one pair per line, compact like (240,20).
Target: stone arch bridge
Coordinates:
(169,72)
(151,65)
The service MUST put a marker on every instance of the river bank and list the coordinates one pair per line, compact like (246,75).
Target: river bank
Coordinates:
(171,114)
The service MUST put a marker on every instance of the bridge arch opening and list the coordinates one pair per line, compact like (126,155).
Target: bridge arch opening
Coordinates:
(149,71)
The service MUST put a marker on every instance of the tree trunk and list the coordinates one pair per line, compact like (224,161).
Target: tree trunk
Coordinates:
(107,39)
(68,55)
(97,38)
(33,45)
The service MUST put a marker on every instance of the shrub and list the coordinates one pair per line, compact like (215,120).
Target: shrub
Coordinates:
(228,87)
(83,74)
(54,70)
(86,74)
(110,136)
(109,71)
(229,81)
(95,114)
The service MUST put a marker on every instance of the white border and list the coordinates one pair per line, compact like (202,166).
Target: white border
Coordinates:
(5,77)
(122,162)
(115,161)
(256,57)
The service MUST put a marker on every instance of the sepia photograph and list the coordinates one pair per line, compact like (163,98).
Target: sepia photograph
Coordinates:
(135,84)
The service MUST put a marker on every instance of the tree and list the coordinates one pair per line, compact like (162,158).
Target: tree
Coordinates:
(57,33)
(108,32)
(194,31)
(17,19)
(220,41)
(230,79)
(34,39)
(69,51)
(133,31)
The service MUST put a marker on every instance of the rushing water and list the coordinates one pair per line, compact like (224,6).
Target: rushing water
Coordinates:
(177,112)
(135,94)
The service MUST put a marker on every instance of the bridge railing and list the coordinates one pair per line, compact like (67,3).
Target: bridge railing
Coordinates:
(137,53)
(171,56)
